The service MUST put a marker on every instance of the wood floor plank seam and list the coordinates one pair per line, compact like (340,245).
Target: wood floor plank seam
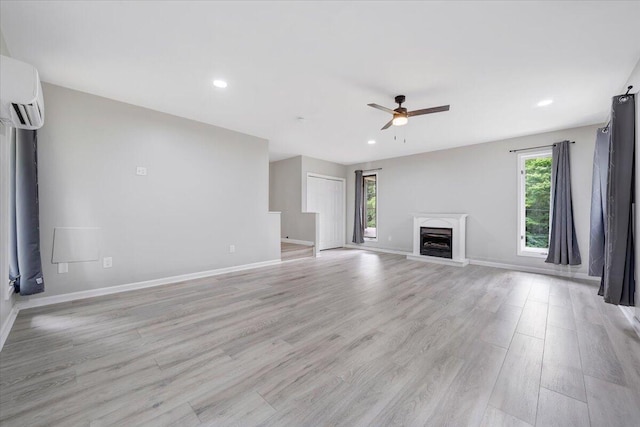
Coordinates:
(541,367)
(581,365)
(503,361)
(349,338)
(568,397)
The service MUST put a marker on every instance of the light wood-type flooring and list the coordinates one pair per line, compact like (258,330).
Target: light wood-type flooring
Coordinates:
(352,338)
(289,251)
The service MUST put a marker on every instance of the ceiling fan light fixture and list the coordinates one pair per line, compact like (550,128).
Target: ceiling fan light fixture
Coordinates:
(400,120)
(401,115)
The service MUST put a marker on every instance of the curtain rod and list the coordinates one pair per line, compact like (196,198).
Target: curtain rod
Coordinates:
(370,170)
(539,146)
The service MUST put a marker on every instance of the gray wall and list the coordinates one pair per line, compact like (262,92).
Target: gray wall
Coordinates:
(288,193)
(285,188)
(5,304)
(206,189)
(480,180)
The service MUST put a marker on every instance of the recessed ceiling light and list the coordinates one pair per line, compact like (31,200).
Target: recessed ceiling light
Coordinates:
(545,102)
(220,83)
(371,142)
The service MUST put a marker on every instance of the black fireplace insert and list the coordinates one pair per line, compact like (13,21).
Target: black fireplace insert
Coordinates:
(436,242)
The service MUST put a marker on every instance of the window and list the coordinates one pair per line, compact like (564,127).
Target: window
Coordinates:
(371,206)
(534,200)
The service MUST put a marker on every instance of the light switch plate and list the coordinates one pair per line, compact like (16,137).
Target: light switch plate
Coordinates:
(63,267)
(107,262)
(141,170)
(232,248)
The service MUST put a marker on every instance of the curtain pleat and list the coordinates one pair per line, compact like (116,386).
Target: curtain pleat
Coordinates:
(563,243)
(618,282)
(599,203)
(358,215)
(25,265)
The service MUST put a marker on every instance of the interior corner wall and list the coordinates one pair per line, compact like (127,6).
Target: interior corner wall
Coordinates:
(288,193)
(284,196)
(479,180)
(204,191)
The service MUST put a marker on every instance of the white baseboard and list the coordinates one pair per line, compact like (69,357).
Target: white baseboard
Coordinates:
(516,267)
(4,333)
(528,269)
(56,299)
(633,320)
(374,249)
(297,242)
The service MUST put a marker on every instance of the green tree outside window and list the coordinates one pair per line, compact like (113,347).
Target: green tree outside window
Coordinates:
(537,201)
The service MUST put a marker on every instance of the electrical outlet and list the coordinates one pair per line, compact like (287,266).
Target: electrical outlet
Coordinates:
(232,248)
(63,267)
(107,262)
(141,170)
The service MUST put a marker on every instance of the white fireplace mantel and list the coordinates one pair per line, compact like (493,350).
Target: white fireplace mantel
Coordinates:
(457,224)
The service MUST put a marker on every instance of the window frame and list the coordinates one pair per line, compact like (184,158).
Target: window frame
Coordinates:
(364,175)
(523,250)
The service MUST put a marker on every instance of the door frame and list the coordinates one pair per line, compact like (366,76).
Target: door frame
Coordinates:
(344,199)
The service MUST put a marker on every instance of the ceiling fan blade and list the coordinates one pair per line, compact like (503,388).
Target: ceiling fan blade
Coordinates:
(388,125)
(428,111)
(380,107)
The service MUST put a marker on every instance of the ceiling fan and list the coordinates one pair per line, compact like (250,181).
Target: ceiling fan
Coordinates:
(401,115)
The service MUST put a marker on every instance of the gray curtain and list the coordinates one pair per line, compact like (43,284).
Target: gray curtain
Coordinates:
(358,214)
(599,203)
(563,244)
(25,266)
(618,282)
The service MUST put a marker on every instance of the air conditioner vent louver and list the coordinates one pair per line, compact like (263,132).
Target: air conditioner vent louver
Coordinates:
(27,114)
(19,114)
(21,101)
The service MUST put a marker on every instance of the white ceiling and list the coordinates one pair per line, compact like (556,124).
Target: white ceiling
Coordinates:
(325,61)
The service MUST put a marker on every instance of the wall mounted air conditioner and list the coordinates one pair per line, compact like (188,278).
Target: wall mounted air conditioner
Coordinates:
(21,102)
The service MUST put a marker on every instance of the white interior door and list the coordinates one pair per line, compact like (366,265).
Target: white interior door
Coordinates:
(326,197)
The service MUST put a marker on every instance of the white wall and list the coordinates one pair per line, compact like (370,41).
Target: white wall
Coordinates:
(480,180)
(5,304)
(206,189)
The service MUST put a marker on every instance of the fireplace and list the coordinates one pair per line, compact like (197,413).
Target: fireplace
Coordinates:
(436,241)
(439,238)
